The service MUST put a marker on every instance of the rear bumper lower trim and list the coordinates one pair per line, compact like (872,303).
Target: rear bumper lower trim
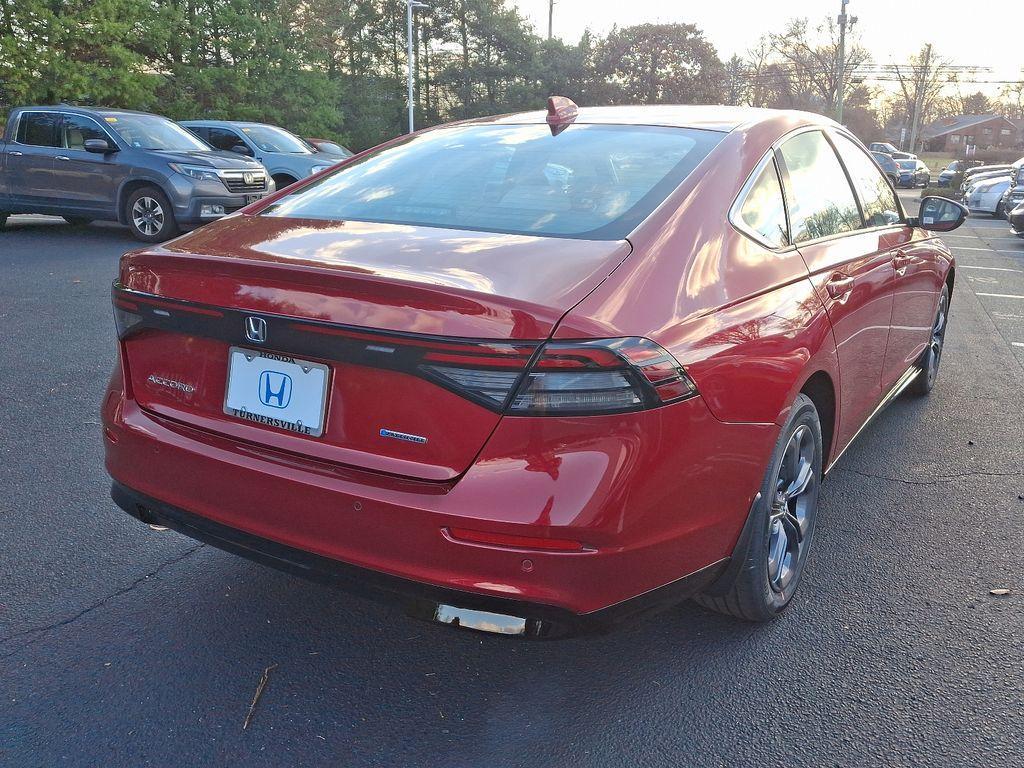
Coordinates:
(426,601)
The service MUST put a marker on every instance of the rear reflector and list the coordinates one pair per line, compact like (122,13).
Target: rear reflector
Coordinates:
(515,542)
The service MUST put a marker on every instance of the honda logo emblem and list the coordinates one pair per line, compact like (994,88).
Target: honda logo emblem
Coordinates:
(256,329)
(248,177)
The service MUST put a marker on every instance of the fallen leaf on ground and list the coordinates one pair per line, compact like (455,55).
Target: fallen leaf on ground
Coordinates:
(1001,591)
(264,678)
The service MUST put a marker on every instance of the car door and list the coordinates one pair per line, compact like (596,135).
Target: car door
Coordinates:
(850,267)
(30,161)
(86,181)
(917,275)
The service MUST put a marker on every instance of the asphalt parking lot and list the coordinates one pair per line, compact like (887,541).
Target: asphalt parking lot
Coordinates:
(121,646)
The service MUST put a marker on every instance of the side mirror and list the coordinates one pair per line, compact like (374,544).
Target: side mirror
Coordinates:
(99,146)
(939,214)
(241,149)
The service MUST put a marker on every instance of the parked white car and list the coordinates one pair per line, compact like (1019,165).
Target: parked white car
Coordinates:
(985,195)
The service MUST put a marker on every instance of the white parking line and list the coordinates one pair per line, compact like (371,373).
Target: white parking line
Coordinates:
(1017,343)
(991,269)
(1002,295)
(989,250)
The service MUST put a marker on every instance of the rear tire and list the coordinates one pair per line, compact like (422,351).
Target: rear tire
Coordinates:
(150,216)
(771,560)
(77,221)
(932,355)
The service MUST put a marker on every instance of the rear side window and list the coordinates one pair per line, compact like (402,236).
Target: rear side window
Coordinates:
(763,211)
(38,129)
(821,202)
(589,181)
(876,195)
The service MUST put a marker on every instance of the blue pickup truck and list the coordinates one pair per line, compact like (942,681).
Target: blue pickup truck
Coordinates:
(141,170)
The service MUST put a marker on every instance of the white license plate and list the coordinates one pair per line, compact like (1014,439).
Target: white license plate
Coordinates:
(276,391)
(249,199)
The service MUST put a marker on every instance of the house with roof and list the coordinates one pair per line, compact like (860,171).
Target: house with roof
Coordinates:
(954,134)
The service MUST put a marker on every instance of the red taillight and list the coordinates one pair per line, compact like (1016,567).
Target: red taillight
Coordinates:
(602,376)
(515,542)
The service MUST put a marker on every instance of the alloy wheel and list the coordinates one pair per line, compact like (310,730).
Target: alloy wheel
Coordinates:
(148,216)
(792,509)
(933,355)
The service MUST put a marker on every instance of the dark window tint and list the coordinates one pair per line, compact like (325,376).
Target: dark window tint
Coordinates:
(75,130)
(821,202)
(876,195)
(589,181)
(38,129)
(763,210)
(224,138)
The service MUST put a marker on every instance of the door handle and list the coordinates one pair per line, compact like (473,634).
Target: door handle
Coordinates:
(65,158)
(900,261)
(15,154)
(839,285)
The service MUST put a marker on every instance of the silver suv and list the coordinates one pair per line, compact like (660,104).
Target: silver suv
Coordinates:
(287,157)
(142,170)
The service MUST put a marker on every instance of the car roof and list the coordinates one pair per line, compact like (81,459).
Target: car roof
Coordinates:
(713,117)
(103,111)
(238,123)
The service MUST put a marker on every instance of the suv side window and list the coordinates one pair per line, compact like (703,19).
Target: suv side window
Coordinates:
(224,138)
(38,129)
(876,195)
(821,201)
(75,130)
(763,211)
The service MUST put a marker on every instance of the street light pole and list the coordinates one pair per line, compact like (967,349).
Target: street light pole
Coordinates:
(841,61)
(409,6)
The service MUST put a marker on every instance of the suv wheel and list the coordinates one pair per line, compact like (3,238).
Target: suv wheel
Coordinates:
(765,571)
(150,216)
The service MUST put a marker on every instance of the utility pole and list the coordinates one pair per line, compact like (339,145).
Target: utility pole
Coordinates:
(551,17)
(920,85)
(841,57)
(409,6)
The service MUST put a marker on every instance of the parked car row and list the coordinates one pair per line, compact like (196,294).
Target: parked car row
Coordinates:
(993,189)
(145,171)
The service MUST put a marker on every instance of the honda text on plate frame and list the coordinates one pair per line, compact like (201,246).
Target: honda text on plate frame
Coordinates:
(276,391)
(535,373)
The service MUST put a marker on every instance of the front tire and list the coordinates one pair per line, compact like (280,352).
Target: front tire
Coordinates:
(932,355)
(765,572)
(283,180)
(150,216)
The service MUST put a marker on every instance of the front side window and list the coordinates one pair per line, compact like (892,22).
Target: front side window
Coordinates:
(821,202)
(38,129)
(75,130)
(763,210)
(589,181)
(876,195)
(224,138)
(154,132)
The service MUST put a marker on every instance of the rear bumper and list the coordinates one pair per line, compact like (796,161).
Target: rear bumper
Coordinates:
(447,606)
(656,497)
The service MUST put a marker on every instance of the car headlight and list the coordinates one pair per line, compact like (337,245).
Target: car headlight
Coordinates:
(317,168)
(197,172)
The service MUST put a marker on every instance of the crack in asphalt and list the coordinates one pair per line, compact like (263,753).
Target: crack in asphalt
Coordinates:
(90,608)
(930,481)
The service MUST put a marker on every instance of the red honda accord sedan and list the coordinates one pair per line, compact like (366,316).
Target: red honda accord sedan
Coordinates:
(532,374)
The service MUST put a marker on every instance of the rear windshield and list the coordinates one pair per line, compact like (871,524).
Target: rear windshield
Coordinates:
(589,181)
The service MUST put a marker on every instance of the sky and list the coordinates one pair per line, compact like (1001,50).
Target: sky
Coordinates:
(890,30)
